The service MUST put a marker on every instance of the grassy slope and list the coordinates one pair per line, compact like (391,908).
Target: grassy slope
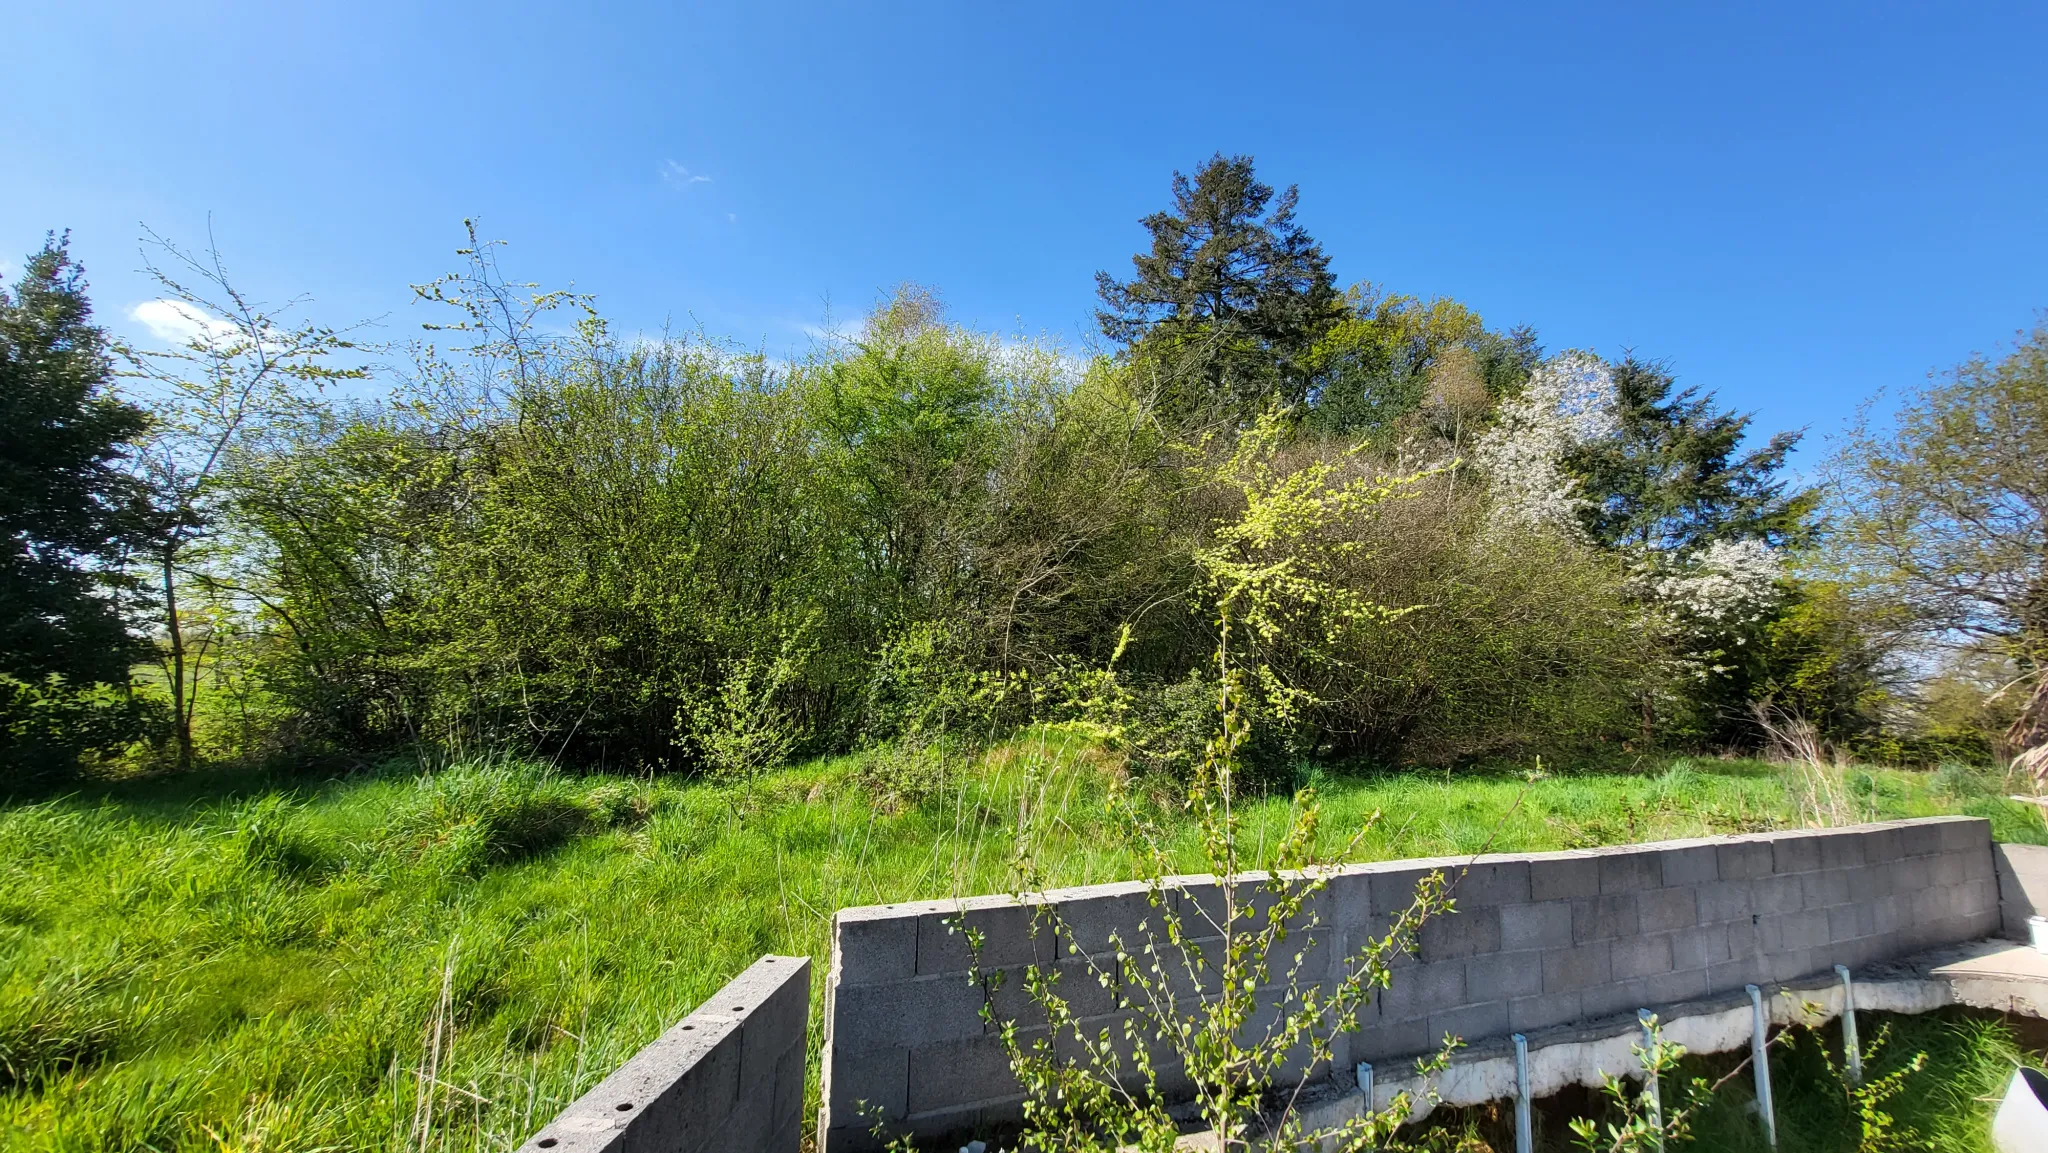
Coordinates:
(236,963)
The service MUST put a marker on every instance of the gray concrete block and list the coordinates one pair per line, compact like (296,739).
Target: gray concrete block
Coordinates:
(1843,848)
(1661,910)
(1746,859)
(1698,947)
(1745,937)
(1732,975)
(1641,957)
(1090,916)
(1556,876)
(1393,888)
(972,1070)
(878,1018)
(1546,924)
(1471,1022)
(1604,918)
(1350,897)
(1946,869)
(1910,876)
(1629,871)
(1819,890)
(1725,901)
(1794,853)
(1578,968)
(1460,934)
(1491,881)
(1771,895)
(1423,990)
(1792,963)
(1964,834)
(1807,929)
(1843,923)
(1883,843)
(1503,976)
(1541,1012)
(1697,863)
(866,1087)
(1013,933)
(1919,839)
(1978,866)
(873,945)
(1668,988)
(1401,1038)
(1869,883)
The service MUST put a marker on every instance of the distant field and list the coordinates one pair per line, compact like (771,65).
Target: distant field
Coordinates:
(244,963)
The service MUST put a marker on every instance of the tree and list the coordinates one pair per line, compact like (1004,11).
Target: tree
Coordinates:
(1230,300)
(1673,476)
(1939,518)
(245,369)
(64,497)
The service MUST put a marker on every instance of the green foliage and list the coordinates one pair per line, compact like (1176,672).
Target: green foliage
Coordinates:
(1223,311)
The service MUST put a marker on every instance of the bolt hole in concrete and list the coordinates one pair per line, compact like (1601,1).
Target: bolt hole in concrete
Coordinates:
(625,1105)
(687,1028)
(546,1142)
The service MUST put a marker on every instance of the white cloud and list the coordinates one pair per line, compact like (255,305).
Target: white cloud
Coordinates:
(676,176)
(180,323)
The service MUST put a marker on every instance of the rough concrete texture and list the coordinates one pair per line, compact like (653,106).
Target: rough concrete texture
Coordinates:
(2022,886)
(1537,941)
(728,1078)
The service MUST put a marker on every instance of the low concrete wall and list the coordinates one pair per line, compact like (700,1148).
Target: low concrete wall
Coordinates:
(728,1078)
(2022,886)
(1539,940)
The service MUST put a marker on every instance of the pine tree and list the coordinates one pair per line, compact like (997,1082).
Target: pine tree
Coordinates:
(64,498)
(1226,306)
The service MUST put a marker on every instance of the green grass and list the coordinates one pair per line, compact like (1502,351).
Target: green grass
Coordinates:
(243,962)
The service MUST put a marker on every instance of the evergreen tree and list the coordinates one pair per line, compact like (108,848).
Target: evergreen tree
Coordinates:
(63,495)
(1674,476)
(1227,305)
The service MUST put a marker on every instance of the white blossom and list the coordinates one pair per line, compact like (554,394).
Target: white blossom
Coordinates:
(1727,582)
(1569,402)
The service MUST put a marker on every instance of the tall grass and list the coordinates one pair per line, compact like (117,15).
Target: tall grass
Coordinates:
(439,961)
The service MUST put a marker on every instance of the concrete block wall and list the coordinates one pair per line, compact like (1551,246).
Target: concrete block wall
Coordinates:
(728,1078)
(2022,886)
(1537,940)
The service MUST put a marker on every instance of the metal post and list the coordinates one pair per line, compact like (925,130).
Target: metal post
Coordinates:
(1365,1086)
(1851,1048)
(1525,1134)
(1651,1091)
(1760,1058)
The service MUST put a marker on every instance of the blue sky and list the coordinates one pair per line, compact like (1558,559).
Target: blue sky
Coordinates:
(1796,204)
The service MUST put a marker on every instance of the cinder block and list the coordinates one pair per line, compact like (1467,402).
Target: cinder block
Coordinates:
(1694,864)
(1558,876)
(1745,938)
(1910,876)
(1842,923)
(1541,1012)
(1675,986)
(1503,976)
(1402,1038)
(1641,957)
(1887,916)
(1790,964)
(1807,929)
(1090,916)
(872,1086)
(1794,853)
(1919,838)
(1843,849)
(1698,947)
(1869,883)
(1393,887)
(1772,895)
(975,1070)
(1012,933)
(1661,910)
(1350,898)
(1743,860)
(1819,890)
(1725,901)
(1629,871)
(1734,974)
(1965,834)
(1471,1022)
(873,945)
(1978,866)
(1603,918)
(1460,934)
(908,1014)
(1578,968)
(1423,990)
(1946,869)
(1491,882)
(1883,843)
(1547,924)
(1977,895)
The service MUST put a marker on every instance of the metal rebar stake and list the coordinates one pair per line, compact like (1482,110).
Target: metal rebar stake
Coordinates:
(1525,1134)
(1851,1048)
(1759,1056)
(1651,1091)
